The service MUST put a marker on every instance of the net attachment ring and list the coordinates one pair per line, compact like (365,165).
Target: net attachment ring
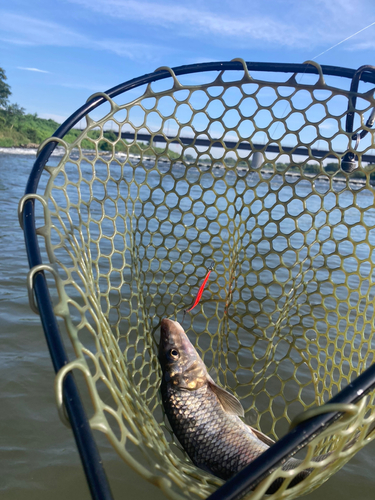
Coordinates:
(59,384)
(24,199)
(30,282)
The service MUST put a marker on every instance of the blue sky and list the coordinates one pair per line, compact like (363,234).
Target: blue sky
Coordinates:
(57,53)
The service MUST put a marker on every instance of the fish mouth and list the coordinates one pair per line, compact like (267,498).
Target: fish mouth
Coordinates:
(170,330)
(165,329)
(167,323)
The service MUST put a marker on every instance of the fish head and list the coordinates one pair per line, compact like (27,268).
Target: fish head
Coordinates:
(181,365)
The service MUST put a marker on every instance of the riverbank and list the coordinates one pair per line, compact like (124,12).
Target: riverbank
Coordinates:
(25,132)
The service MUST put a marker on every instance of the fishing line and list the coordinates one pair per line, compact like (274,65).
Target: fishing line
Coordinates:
(324,52)
(342,41)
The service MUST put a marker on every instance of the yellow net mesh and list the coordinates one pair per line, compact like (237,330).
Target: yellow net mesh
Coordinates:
(287,317)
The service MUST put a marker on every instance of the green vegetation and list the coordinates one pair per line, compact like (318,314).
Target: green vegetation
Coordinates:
(18,129)
(4,89)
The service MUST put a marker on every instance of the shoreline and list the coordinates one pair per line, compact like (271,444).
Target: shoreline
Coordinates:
(60,151)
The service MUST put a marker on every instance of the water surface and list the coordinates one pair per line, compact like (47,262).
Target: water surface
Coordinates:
(38,456)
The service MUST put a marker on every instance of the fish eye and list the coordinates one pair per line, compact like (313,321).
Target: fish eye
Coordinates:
(174,353)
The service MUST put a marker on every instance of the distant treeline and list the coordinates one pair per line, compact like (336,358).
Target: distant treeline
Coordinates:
(18,129)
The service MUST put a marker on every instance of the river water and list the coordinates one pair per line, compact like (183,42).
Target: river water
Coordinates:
(38,457)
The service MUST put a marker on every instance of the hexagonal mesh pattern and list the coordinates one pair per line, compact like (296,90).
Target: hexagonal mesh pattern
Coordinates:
(287,318)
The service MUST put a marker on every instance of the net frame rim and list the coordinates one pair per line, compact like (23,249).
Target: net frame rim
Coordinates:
(282,449)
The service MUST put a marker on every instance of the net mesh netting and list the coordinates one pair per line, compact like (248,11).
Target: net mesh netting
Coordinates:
(287,317)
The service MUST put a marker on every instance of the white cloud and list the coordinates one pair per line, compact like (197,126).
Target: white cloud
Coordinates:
(312,26)
(33,69)
(23,30)
(291,23)
(362,45)
(192,20)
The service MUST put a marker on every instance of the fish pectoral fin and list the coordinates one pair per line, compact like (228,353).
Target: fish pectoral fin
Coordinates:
(229,402)
(267,440)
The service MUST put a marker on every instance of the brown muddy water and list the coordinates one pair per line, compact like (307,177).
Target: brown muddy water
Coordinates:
(38,456)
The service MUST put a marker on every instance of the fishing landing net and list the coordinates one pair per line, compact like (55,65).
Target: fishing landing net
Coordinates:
(257,173)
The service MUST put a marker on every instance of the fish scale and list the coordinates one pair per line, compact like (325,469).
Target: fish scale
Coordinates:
(197,417)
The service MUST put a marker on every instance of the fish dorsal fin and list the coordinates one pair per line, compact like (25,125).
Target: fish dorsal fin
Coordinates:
(229,402)
(263,437)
